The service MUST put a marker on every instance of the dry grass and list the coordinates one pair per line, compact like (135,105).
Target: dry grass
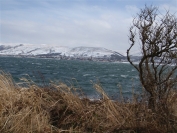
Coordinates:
(56,109)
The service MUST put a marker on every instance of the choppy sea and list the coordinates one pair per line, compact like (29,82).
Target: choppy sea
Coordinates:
(113,77)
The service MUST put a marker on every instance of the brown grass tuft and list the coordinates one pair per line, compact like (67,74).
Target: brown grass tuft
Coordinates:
(56,109)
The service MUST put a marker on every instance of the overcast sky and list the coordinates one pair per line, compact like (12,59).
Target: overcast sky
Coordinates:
(99,23)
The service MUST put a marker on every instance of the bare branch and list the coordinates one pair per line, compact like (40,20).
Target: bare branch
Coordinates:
(158,38)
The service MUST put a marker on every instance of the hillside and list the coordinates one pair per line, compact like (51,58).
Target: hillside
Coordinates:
(60,52)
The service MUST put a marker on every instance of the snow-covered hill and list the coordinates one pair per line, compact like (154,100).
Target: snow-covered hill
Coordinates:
(29,49)
(55,51)
(91,52)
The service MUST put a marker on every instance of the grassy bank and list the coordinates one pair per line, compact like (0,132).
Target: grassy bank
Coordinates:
(56,109)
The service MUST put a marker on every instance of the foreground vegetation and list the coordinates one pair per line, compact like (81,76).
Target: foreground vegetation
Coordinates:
(57,108)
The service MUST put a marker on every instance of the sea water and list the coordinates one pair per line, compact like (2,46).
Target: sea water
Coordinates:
(113,77)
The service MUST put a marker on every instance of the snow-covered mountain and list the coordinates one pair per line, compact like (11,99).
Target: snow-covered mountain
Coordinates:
(29,49)
(55,51)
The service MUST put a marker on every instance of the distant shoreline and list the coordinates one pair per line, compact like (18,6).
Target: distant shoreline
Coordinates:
(80,59)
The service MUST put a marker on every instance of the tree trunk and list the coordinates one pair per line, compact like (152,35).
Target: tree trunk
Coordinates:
(151,102)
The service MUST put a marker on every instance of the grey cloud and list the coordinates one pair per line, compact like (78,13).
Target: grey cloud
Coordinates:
(84,26)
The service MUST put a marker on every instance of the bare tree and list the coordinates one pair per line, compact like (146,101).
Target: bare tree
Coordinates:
(157,36)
